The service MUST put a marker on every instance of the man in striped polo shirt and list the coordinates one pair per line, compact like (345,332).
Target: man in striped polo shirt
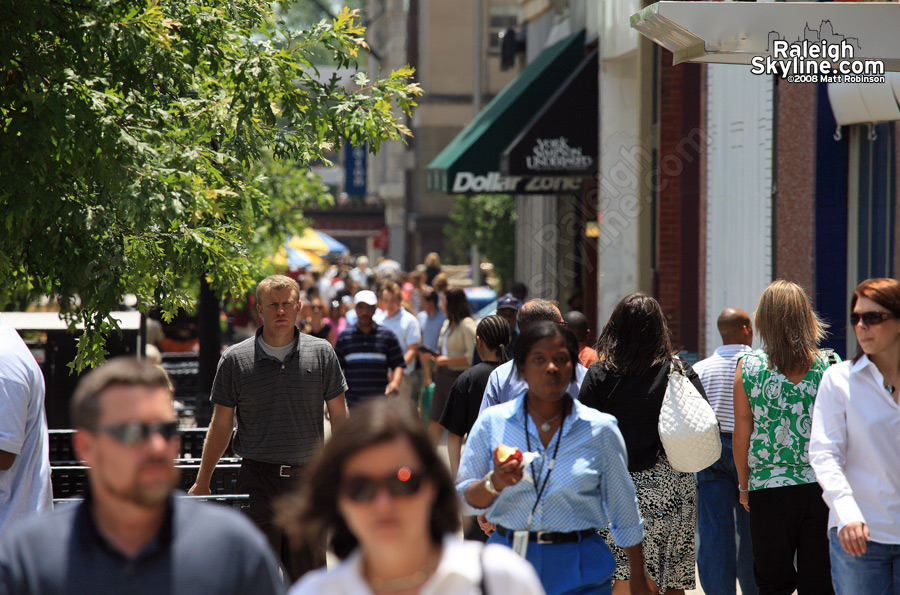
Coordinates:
(719,511)
(277,382)
(370,354)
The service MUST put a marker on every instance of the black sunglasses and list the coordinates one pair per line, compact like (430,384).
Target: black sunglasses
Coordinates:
(135,432)
(870,318)
(362,488)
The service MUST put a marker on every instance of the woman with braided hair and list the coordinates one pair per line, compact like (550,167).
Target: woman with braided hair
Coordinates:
(492,342)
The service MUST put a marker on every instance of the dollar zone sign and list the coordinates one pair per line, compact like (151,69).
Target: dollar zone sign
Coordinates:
(493,183)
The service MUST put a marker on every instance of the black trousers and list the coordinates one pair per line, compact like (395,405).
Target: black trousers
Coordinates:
(264,488)
(789,521)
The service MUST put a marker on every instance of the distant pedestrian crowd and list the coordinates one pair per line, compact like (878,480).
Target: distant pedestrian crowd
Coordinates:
(556,459)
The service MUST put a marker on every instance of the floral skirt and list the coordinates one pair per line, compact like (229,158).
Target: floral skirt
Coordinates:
(667,500)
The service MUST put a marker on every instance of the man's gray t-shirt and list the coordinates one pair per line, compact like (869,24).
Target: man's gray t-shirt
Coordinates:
(278,404)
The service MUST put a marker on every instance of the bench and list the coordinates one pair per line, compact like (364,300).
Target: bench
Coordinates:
(232,500)
(61,451)
(71,480)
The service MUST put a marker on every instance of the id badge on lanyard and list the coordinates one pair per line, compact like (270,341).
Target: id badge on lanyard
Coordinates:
(520,542)
(520,538)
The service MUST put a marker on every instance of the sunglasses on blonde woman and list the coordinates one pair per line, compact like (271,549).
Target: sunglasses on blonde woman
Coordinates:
(870,318)
(362,488)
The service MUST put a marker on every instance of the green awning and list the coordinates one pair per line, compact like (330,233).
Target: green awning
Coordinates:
(471,162)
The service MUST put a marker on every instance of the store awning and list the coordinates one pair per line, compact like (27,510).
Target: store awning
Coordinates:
(470,164)
(736,32)
(561,139)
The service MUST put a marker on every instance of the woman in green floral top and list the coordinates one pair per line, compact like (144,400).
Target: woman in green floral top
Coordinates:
(774,392)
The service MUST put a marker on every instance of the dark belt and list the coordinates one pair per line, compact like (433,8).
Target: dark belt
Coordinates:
(279,470)
(545,537)
(725,434)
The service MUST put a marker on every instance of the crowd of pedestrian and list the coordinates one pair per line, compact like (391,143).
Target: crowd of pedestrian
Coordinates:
(805,496)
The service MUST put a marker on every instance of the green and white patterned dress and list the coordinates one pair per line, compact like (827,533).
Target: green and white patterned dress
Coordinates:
(782,419)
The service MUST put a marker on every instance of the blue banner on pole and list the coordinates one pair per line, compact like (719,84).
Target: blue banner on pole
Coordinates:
(355,163)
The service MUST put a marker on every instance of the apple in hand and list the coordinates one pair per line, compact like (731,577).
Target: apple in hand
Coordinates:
(505,453)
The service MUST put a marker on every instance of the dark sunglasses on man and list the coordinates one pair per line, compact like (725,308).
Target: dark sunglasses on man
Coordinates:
(870,318)
(135,432)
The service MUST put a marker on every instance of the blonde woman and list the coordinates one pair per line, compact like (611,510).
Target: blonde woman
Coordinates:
(774,392)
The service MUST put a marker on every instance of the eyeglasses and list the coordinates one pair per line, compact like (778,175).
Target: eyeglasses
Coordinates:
(870,318)
(135,432)
(362,488)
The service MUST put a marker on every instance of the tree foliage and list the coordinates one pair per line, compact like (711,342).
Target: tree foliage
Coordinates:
(488,221)
(129,131)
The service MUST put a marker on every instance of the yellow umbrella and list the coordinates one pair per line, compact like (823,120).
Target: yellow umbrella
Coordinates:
(317,262)
(280,258)
(309,241)
(292,258)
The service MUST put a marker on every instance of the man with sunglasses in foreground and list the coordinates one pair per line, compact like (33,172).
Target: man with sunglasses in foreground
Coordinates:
(131,534)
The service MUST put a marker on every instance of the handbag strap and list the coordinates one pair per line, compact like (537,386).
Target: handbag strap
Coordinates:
(677,367)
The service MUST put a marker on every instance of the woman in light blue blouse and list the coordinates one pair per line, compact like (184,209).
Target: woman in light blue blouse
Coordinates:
(549,510)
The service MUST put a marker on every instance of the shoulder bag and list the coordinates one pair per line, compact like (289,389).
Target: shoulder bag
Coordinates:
(688,428)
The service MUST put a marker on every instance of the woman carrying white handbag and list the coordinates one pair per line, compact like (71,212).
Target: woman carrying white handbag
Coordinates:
(629,382)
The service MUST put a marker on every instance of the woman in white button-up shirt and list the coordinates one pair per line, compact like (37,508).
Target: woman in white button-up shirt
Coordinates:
(855,446)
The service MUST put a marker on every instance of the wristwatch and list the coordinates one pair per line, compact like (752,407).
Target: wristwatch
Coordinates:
(489,485)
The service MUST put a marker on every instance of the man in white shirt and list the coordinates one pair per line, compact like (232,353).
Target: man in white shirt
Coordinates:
(504,383)
(719,511)
(360,273)
(406,327)
(24,462)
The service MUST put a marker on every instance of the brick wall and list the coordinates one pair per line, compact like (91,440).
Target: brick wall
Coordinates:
(678,201)
(795,221)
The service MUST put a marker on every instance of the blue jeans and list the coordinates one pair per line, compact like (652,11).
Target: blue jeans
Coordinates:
(724,551)
(877,572)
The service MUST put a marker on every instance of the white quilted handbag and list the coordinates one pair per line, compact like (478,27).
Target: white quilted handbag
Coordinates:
(687,426)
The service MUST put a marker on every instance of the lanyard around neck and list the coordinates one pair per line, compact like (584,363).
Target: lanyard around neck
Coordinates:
(540,492)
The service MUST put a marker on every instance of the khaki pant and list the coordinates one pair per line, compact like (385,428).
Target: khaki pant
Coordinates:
(411,386)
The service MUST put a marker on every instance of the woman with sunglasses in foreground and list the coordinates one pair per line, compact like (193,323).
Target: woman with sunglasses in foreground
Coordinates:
(855,447)
(386,504)
(774,391)
(577,484)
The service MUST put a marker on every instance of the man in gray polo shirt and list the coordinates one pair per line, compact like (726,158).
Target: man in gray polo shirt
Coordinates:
(131,534)
(277,382)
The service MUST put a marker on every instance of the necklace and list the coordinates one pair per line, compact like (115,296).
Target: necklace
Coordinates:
(403,583)
(545,427)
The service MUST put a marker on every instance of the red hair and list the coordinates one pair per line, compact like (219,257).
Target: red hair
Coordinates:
(884,291)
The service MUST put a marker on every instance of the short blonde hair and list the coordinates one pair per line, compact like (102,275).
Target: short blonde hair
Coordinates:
(788,326)
(276,283)
(433,259)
